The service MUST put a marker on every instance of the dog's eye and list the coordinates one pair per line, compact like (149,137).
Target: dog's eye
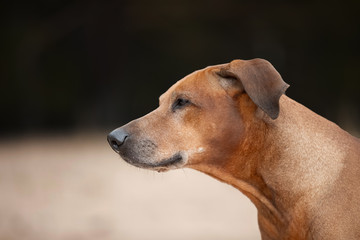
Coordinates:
(180,103)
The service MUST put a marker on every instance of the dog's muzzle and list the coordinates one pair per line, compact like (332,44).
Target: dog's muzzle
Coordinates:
(142,152)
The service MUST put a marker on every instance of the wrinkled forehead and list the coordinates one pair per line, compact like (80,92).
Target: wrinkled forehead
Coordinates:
(200,79)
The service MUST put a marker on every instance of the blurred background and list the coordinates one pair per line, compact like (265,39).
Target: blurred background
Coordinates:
(72,70)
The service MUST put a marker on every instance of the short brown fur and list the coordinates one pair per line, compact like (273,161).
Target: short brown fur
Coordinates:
(300,170)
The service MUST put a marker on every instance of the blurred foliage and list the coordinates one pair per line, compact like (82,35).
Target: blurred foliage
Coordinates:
(92,64)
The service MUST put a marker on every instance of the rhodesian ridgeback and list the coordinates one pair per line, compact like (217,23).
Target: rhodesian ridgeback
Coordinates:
(234,123)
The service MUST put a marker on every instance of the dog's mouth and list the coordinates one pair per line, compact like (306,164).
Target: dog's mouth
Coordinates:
(176,161)
(143,153)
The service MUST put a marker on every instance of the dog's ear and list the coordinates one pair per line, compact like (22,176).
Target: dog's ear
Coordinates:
(259,79)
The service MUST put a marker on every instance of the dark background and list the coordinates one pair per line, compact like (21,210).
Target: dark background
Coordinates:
(69,65)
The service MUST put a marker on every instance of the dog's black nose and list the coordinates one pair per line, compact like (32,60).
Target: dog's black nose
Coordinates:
(117,138)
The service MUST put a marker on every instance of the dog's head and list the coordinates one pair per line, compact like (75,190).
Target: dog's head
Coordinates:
(204,117)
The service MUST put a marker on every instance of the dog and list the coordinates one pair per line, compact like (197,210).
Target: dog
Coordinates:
(234,122)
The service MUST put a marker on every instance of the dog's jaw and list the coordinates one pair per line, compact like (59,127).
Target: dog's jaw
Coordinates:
(178,160)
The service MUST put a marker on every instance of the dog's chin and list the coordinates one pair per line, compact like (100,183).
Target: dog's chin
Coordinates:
(176,161)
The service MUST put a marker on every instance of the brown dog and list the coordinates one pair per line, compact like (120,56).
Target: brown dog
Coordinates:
(300,170)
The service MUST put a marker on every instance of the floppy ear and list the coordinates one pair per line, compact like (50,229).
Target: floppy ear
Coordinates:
(260,81)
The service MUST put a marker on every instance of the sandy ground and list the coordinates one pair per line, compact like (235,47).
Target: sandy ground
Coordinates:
(75,187)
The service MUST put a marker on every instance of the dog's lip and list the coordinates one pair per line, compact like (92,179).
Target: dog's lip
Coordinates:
(177,160)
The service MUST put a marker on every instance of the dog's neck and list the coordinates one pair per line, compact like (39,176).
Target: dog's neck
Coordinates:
(272,220)
(275,179)
(270,217)
(242,172)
